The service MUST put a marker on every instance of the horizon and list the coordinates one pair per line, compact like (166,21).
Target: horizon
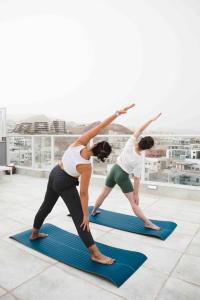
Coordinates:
(73,65)
(22,118)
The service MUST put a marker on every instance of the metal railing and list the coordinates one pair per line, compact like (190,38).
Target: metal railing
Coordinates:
(178,162)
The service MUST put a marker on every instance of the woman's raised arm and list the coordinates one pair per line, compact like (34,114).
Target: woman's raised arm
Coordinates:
(87,136)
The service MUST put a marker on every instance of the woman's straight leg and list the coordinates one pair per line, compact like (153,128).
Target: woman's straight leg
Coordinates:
(72,200)
(50,200)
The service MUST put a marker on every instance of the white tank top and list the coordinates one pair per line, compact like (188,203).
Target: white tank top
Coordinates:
(71,158)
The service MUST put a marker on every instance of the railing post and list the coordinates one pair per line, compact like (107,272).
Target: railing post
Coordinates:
(7,150)
(52,151)
(33,151)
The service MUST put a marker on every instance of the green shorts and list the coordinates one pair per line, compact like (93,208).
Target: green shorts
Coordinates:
(118,176)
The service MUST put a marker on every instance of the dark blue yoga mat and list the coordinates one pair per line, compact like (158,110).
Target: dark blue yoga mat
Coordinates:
(69,249)
(131,223)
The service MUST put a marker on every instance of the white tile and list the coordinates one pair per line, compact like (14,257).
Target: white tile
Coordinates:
(143,284)
(96,280)
(163,204)
(193,217)
(176,241)
(24,215)
(17,266)
(7,208)
(59,208)
(188,269)
(176,289)
(27,249)
(162,214)
(171,213)
(194,247)
(54,283)
(185,227)
(8,297)
(7,225)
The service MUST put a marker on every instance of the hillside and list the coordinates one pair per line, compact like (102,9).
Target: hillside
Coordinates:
(115,128)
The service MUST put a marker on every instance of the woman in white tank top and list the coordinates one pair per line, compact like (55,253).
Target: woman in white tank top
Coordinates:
(75,163)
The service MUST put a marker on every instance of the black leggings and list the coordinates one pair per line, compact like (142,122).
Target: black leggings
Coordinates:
(64,185)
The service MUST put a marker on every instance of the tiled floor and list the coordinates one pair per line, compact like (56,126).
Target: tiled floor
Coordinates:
(171,272)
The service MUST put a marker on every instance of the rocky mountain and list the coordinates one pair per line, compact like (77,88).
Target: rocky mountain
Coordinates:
(71,127)
(111,129)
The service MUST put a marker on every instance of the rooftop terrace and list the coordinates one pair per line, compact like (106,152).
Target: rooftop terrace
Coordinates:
(172,270)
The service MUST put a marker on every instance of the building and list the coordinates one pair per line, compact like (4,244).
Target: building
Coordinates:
(154,166)
(156,153)
(183,152)
(195,153)
(41,127)
(24,128)
(58,126)
(186,178)
(186,172)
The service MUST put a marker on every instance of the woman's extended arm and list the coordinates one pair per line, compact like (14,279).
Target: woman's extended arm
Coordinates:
(140,130)
(85,171)
(87,136)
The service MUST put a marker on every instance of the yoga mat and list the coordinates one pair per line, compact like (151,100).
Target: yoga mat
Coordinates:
(69,249)
(131,223)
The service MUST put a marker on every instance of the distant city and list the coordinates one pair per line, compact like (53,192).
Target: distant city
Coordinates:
(39,142)
(43,125)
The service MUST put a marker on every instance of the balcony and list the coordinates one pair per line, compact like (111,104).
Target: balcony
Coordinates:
(172,268)
(163,169)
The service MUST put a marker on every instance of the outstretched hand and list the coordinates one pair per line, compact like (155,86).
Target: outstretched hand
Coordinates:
(85,223)
(125,109)
(156,117)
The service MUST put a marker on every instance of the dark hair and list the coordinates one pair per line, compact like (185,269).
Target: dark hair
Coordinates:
(102,150)
(146,142)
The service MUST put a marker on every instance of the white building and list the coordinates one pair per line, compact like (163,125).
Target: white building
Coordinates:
(154,165)
(184,151)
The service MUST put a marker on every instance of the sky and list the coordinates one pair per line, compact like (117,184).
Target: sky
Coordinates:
(82,60)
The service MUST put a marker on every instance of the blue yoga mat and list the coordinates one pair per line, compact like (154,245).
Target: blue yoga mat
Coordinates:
(69,249)
(131,223)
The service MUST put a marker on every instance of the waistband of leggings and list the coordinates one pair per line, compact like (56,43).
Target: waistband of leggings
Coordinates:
(64,172)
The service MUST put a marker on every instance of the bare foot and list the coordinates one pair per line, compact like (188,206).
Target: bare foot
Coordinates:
(150,225)
(37,235)
(95,212)
(102,259)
